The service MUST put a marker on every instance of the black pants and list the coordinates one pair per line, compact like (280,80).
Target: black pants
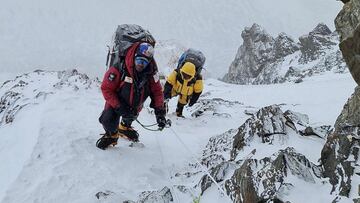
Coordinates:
(110,120)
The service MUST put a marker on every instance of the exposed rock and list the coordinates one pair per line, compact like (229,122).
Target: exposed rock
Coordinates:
(264,180)
(315,43)
(162,196)
(33,88)
(103,195)
(218,148)
(219,173)
(347,25)
(252,56)
(284,45)
(261,59)
(321,131)
(211,106)
(340,154)
(268,122)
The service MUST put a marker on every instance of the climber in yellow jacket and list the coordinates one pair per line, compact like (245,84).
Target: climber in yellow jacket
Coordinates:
(186,83)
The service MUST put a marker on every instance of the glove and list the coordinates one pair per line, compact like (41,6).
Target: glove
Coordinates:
(161,121)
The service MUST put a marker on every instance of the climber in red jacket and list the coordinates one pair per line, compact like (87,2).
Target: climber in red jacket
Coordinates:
(125,90)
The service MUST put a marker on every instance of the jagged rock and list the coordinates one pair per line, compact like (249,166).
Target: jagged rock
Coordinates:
(340,154)
(321,131)
(217,149)
(103,195)
(272,175)
(252,56)
(267,122)
(298,119)
(206,106)
(284,45)
(33,88)
(315,43)
(261,59)
(219,173)
(162,196)
(346,24)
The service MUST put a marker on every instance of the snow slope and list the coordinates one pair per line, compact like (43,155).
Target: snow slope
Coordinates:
(63,34)
(50,152)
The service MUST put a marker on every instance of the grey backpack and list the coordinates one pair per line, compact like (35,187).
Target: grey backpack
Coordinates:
(194,56)
(125,36)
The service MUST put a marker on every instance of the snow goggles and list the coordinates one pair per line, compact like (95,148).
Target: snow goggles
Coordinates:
(186,76)
(141,63)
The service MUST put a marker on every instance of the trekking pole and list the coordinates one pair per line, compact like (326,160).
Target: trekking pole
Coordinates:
(203,168)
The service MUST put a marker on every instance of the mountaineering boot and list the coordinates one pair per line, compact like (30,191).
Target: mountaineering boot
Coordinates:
(107,140)
(179,110)
(128,133)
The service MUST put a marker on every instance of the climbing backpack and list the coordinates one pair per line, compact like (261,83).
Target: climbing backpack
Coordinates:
(124,37)
(193,56)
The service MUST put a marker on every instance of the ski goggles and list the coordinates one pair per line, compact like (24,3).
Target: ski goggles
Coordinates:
(141,63)
(186,76)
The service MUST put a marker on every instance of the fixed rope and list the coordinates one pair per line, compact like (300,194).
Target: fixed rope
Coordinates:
(147,127)
(198,162)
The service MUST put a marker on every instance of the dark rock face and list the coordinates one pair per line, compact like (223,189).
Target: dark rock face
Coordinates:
(266,178)
(261,59)
(346,24)
(284,45)
(267,123)
(252,56)
(33,88)
(340,155)
(270,174)
(162,196)
(315,43)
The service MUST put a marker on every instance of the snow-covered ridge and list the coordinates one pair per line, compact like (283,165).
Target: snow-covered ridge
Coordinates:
(268,158)
(33,88)
(262,59)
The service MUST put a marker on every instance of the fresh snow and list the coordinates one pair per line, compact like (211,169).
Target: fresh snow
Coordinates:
(50,151)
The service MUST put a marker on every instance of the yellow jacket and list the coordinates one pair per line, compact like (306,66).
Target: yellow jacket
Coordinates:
(189,90)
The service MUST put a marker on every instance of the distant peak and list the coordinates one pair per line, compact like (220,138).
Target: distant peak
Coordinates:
(321,29)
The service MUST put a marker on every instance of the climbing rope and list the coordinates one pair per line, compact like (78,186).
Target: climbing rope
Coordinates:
(168,125)
(198,162)
(147,127)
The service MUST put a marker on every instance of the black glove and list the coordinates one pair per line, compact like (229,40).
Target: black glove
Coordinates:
(161,121)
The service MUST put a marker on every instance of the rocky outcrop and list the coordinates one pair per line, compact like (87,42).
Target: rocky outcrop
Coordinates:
(213,106)
(262,59)
(33,88)
(261,166)
(315,44)
(162,196)
(264,180)
(340,155)
(268,123)
(346,24)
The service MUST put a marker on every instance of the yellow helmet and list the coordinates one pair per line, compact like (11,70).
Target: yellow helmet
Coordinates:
(188,71)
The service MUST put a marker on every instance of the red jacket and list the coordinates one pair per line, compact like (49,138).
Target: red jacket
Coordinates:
(130,88)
